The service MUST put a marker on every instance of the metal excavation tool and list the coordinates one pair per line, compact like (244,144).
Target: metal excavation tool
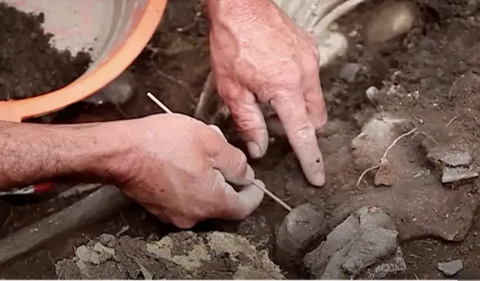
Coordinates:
(271,195)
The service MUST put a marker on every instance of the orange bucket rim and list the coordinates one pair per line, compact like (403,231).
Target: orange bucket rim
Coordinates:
(95,80)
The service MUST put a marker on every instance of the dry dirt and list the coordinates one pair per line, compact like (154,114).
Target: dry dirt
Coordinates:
(27,56)
(427,77)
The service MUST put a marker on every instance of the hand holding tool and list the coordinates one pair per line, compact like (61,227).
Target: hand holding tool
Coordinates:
(266,191)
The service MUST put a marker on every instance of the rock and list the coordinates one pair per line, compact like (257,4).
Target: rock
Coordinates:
(391,268)
(256,229)
(365,244)
(418,202)
(117,92)
(453,159)
(303,226)
(94,255)
(104,253)
(331,45)
(349,72)
(419,209)
(391,19)
(450,175)
(182,255)
(376,136)
(107,240)
(450,268)
(372,94)
(384,175)
(448,9)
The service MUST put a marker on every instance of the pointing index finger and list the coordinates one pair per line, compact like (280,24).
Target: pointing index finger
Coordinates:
(291,109)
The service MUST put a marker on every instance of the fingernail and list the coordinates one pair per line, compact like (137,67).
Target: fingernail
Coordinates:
(317,180)
(254,149)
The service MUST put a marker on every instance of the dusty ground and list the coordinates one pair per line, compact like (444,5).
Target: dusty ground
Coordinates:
(427,77)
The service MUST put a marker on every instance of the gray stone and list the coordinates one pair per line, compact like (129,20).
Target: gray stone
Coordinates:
(454,174)
(391,19)
(182,255)
(392,268)
(372,93)
(453,159)
(376,136)
(450,268)
(257,230)
(373,244)
(349,71)
(365,244)
(117,92)
(107,240)
(303,226)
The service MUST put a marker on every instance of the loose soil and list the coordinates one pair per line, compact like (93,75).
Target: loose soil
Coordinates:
(29,65)
(433,74)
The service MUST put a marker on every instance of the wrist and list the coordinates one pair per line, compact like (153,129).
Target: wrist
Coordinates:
(107,156)
(240,9)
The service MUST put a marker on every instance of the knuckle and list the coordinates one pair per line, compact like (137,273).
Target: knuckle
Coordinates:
(310,61)
(245,120)
(312,44)
(293,78)
(304,131)
(290,76)
(311,64)
(239,161)
(210,140)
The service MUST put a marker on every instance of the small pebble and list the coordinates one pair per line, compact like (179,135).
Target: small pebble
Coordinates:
(117,92)
(391,19)
(372,93)
(450,268)
(349,72)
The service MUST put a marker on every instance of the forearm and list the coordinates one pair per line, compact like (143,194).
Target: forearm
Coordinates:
(31,153)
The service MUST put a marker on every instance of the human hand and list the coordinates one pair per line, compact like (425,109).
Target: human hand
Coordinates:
(259,54)
(180,170)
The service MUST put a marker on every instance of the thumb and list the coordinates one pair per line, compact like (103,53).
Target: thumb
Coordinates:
(230,161)
(240,205)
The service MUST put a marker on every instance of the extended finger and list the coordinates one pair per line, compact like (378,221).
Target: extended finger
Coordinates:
(247,115)
(291,110)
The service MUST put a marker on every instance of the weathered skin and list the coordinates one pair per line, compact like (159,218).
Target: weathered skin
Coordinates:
(178,167)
